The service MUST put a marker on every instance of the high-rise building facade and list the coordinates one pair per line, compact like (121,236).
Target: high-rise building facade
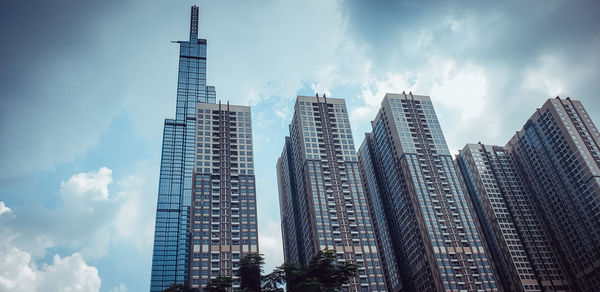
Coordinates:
(224,224)
(289,208)
(383,236)
(558,153)
(520,244)
(206,211)
(322,202)
(436,239)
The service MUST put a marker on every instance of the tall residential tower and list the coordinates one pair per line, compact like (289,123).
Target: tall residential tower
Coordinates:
(322,202)
(206,211)
(558,153)
(520,244)
(406,165)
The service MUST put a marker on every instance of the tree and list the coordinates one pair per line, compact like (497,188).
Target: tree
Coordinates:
(324,269)
(273,282)
(220,284)
(322,274)
(250,272)
(180,288)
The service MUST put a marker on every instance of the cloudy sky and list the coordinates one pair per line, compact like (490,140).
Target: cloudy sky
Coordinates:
(85,87)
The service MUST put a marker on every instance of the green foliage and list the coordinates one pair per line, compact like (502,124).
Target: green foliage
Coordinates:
(274,281)
(250,271)
(220,284)
(180,288)
(322,274)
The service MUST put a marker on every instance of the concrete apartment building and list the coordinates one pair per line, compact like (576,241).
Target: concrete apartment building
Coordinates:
(322,202)
(434,237)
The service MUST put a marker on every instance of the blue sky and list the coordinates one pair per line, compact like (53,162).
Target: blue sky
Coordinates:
(85,87)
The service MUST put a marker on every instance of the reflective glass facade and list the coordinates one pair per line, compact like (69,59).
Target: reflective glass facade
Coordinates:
(195,210)
(322,202)
(521,245)
(558,153)
(435,237)
(169,260)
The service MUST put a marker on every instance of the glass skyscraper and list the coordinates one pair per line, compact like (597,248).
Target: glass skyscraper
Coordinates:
(558,153)
(322,202)
(417,198)
(522,248)
(206,211)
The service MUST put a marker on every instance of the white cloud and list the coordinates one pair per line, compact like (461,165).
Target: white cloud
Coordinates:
(85,219)
(134,224)
(38,228)
(3,208)
(120,288)
(92,184)
(485,70)
(96,246)
(283,112)
(545,78)
(459,93)
(374,89)
(90,217)
(124,216)
(18,272)
(68,274)
(461,89)
(83,190)
(269,236)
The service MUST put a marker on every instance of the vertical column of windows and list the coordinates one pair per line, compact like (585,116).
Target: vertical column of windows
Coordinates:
(333,187)
(556,149)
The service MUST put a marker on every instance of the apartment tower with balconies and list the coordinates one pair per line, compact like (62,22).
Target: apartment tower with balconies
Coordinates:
(419,202)
(322,202)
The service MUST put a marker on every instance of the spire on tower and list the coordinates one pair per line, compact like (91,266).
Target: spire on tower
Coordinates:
(194,24)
